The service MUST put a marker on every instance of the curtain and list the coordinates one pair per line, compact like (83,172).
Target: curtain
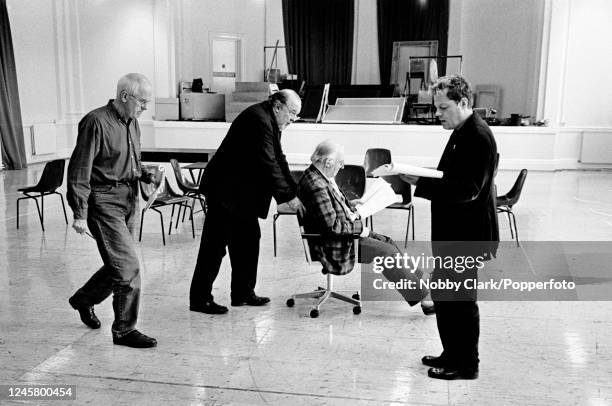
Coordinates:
(410,20)
(11,132)
(319,39)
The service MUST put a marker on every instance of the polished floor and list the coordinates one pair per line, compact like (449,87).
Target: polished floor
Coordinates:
(532,353)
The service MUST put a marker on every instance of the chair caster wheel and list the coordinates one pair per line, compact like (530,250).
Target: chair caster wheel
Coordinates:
(355,296)
(290,302)
(356,309)
(314,313)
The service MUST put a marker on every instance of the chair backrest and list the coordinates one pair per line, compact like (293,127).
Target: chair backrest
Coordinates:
(515,193)
(400,187)
(52,176)
(182,183)
(374,158)
(147,189)
(351,180)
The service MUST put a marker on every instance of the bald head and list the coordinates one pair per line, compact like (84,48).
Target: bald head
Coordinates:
(286,106)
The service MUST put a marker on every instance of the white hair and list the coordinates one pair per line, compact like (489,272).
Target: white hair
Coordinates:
(326,149)
(134,84)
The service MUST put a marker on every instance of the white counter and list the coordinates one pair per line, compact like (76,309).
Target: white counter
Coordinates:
(535,148)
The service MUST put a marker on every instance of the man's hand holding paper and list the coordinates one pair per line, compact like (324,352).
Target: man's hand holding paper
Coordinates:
(405,169)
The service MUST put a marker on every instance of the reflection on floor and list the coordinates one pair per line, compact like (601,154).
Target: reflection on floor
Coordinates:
(531,352)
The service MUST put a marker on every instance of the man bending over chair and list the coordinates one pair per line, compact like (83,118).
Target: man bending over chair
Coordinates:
(329,212)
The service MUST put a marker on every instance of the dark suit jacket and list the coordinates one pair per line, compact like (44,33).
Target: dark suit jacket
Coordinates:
(325,215)
(463,201)
(249,167)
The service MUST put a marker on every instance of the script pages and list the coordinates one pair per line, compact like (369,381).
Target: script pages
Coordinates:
(405,169)
(376,197)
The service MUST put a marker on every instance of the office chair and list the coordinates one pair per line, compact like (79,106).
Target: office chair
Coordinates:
(284,209)
(327,292)
(166,197)
(507,201)
(188,188)
(51,178)
(404,189)
(374,158)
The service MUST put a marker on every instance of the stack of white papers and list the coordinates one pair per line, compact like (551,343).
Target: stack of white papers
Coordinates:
(405,169)
(376,197)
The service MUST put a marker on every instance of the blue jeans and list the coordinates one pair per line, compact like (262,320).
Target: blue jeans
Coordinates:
(111,220)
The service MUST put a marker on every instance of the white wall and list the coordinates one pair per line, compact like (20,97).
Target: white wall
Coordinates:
(588,61)
(116,38)
(499,43)
(32,29)
(246,17)
(70,53)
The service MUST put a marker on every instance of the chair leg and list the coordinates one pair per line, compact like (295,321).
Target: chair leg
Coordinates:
(510,224)
(305,251)
(63,206)
(346,299)
(193,200)
(178,216)
(275,217)
(42,211)
(515,229)
(141,221)
(407,229)
(191,218)
(18,213)
(161,220)
(171,218)
(413,223)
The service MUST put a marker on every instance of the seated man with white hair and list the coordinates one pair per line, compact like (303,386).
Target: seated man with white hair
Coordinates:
(329,212)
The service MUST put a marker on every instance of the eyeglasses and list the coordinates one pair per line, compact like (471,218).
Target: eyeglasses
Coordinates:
(141,102)
(292,113)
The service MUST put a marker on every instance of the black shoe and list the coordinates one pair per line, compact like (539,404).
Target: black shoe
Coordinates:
(136,339)
(252,300)
(451,373)
(433,361)
(209,308)
(88,317)
(428,307)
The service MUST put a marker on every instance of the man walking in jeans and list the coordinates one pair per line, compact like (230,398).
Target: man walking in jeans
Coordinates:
(103,178)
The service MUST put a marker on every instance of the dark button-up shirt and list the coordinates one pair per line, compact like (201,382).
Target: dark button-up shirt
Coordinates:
(107,152)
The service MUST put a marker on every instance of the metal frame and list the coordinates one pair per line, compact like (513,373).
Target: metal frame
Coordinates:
(324,293)
(41,212)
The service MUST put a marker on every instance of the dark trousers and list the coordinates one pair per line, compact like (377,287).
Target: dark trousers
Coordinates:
(110,219)
(457,312)
(459,329)
(240,234)
(378,245)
